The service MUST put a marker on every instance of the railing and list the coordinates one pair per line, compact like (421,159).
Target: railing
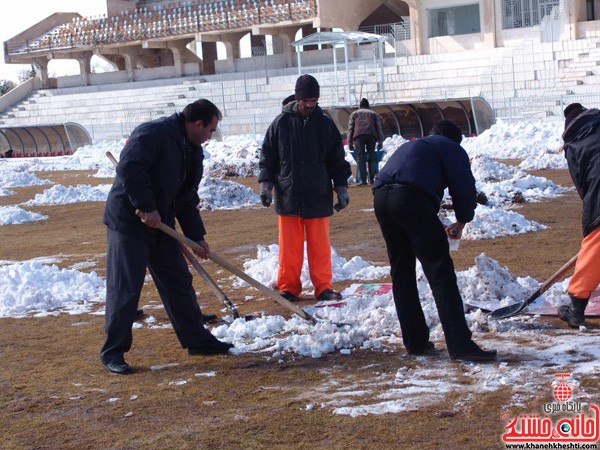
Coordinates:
(400,31)
(164,21)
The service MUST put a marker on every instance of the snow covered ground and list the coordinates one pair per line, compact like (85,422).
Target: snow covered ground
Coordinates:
(40,288)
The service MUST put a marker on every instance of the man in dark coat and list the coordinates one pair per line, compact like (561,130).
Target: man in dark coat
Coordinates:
(582,150)
(408,192)
(158,175)
(364,130)
(302,157)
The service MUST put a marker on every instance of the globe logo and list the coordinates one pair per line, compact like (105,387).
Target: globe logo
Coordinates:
(565,428)
(562,392)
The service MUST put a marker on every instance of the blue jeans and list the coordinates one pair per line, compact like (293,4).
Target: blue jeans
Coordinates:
(365,143)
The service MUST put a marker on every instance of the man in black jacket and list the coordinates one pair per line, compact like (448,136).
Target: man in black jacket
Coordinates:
(302,157)
(158,175)
(582,150)
(408,192)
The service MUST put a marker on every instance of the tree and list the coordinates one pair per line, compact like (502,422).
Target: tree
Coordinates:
(6,85)
(25,75)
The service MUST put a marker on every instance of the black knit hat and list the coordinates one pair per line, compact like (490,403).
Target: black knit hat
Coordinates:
(571,112)
(364,103)
(448,129)
(307,87)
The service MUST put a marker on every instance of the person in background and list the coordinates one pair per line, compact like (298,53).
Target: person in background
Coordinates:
(581,138)
(364,130)
(407,195)
(157,178)
(302,158)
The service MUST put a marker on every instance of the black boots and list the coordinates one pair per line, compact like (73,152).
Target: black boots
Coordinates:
(574,314)
(472,352)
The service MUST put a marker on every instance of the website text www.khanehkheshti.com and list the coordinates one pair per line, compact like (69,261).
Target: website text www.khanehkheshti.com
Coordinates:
(551,445)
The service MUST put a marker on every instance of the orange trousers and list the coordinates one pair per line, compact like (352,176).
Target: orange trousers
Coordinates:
(291,253)
(587,268)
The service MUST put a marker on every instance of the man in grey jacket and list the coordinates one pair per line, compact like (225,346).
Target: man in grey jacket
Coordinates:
(364,130)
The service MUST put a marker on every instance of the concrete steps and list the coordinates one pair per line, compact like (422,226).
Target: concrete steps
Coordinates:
(250,101)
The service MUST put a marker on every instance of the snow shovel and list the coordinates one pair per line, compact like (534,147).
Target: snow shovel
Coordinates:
(512,310)
(201,271)
(237,272)
(211,283)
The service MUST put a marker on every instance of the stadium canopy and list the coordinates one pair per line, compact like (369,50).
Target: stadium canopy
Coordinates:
(342,38)
(473,115)
(44,140)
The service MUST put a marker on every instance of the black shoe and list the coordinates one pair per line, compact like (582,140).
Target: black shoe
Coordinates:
(476,354)
(212,346)
(208,317)
(574,314)
(428,349)
(329,294)
(289,296)
(120,367)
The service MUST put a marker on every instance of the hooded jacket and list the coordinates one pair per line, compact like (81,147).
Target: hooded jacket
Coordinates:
(582,151)
(158,170)
(302,158)
(364,121)
(432,164)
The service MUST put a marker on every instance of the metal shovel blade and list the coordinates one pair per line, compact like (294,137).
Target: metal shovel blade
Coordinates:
(514,309)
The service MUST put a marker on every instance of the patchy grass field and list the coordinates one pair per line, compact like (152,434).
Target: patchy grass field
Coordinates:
(54,393)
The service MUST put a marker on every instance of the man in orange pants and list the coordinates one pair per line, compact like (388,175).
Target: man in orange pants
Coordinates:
(303,158)
(582,150)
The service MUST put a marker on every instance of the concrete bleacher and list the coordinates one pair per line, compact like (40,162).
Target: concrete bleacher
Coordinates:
(522,81)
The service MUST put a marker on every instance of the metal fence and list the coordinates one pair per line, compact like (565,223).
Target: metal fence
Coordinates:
(530,108)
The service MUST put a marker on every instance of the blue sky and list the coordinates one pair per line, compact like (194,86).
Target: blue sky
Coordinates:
(29,12)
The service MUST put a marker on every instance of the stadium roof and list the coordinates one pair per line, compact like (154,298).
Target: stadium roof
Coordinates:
(343,38)
(338,38)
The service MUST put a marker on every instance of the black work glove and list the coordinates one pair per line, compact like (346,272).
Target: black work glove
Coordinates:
(343,198)
(266,193)
(379,146)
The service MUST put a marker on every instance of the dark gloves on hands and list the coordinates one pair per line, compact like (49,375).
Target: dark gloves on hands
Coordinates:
(379,146)
(266,193)
(343,198)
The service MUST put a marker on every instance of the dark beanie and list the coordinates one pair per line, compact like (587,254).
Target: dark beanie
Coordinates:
(307,87)
(364,103)
(571,112)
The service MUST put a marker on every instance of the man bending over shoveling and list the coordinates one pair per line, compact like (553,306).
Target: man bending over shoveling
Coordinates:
(158,175)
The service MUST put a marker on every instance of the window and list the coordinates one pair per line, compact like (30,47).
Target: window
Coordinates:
(590,10)
(526,13)
(454,20)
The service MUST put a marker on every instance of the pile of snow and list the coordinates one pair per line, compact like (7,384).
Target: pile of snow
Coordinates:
(62,195)
(12,215)
(38,289)
(233,156)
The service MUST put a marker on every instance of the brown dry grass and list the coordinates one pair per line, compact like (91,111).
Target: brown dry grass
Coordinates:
(55,394)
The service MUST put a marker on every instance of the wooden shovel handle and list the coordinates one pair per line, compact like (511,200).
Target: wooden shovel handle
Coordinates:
(237,272)
(211,283)
(559,274)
